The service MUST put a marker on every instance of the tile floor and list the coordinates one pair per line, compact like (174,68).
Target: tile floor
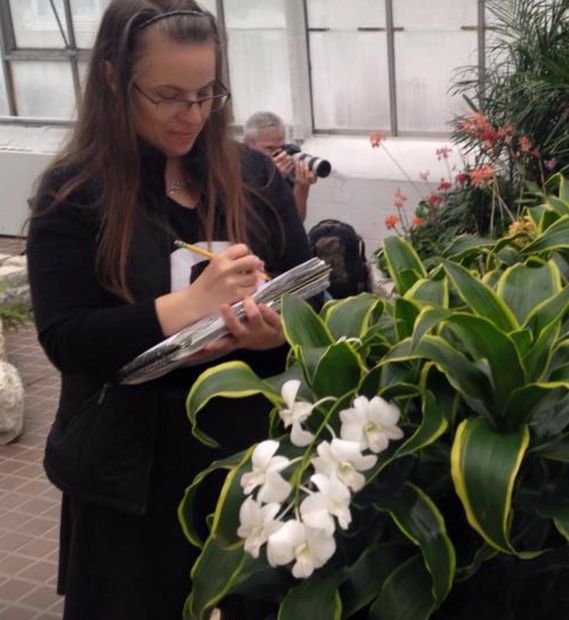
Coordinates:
(29,505)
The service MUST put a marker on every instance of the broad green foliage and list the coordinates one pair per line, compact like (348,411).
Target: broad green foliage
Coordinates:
(472,503)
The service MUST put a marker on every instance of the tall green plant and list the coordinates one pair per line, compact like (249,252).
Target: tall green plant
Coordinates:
(445,417)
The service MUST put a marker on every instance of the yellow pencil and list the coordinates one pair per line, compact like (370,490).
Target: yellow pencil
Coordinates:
(207,254)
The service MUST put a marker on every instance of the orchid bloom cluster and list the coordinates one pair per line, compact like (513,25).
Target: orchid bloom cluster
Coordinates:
(307,538)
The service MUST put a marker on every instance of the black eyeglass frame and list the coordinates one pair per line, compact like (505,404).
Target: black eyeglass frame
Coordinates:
(188,103)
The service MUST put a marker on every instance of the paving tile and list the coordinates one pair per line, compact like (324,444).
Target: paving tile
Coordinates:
(29,504)
(19,613)
(38,572)
(40,598)
(14,563)
(13,541)
(15,589)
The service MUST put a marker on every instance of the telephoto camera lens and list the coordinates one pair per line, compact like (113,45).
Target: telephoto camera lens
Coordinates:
(320,167)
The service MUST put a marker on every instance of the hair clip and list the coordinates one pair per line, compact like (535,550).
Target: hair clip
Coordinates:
(170,14)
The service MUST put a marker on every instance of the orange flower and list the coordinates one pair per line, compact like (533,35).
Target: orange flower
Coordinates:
(376,138)
(418,221)
(483,176)
(391,221)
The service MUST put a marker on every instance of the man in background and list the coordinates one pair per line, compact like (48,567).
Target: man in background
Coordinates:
(266,132)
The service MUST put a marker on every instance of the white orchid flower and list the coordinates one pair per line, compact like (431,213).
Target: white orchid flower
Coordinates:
(265,473)
(331,500)
(257,524)
(295,413)
(311,548)
(372,423)
(344,460)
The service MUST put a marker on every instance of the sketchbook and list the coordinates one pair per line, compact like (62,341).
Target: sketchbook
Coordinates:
(305,280)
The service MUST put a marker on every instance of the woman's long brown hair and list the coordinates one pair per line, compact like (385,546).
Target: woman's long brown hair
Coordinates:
(104,144)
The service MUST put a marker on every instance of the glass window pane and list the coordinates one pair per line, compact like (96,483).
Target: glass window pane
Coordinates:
(35,24)
(259,70)
(86,18)
(425,64)
(437,40)
(209,5)
(258,58)
(349,80)
(4,110)
(44,89)
(339,14)
(254,14)
(440,14)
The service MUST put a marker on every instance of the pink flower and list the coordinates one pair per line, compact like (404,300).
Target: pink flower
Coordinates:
(376,138)
(391,221)
(418,221)
(434,200)
(550,164)
(444,185)
(424,176)
(462,177)
(525,144)
(443,152)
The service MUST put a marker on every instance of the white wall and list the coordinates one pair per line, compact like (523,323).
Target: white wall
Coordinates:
(362,186)
(359,191)
(24,153)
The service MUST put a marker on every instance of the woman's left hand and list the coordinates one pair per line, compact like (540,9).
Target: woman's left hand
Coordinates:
(262,328)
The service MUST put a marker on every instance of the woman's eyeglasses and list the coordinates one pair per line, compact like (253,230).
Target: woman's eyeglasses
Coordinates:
(168,105)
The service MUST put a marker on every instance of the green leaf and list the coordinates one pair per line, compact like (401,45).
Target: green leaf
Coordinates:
(527,400)
(406,594)
(480,298)
(302,326)
(405,266)
(433,425)
(556,237)
(365,578)
(430,292)
(523,287)
(421,522)
(461,373)
(548,312)
(465,246)
(231,497)
(405,314)
(428,319)
(187,509)
(231,380)
(339,371)
(315,597)
(556,451)
(484,466)
(351,317)
(484,341)
(538,357)
(214,573)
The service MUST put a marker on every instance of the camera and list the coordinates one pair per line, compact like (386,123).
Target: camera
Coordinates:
(320,167)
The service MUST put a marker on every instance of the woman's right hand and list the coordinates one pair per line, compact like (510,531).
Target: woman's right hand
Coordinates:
(230,276)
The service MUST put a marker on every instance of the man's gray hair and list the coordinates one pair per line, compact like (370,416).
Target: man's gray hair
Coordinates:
(262,123)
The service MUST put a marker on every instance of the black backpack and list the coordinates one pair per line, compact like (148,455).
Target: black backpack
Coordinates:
(343,249)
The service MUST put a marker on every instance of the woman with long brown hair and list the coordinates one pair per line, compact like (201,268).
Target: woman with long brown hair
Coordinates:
(149,162)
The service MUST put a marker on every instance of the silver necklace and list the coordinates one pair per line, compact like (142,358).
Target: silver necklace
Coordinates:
(177,185)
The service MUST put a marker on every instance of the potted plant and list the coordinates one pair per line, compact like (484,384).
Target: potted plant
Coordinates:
(418,459)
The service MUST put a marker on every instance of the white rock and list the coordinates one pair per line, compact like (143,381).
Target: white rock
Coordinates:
(11,403)
(2,343)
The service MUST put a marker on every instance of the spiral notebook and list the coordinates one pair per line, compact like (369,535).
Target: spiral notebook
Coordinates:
(305,280)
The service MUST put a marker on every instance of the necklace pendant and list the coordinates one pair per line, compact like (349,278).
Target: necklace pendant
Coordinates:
(177,185)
